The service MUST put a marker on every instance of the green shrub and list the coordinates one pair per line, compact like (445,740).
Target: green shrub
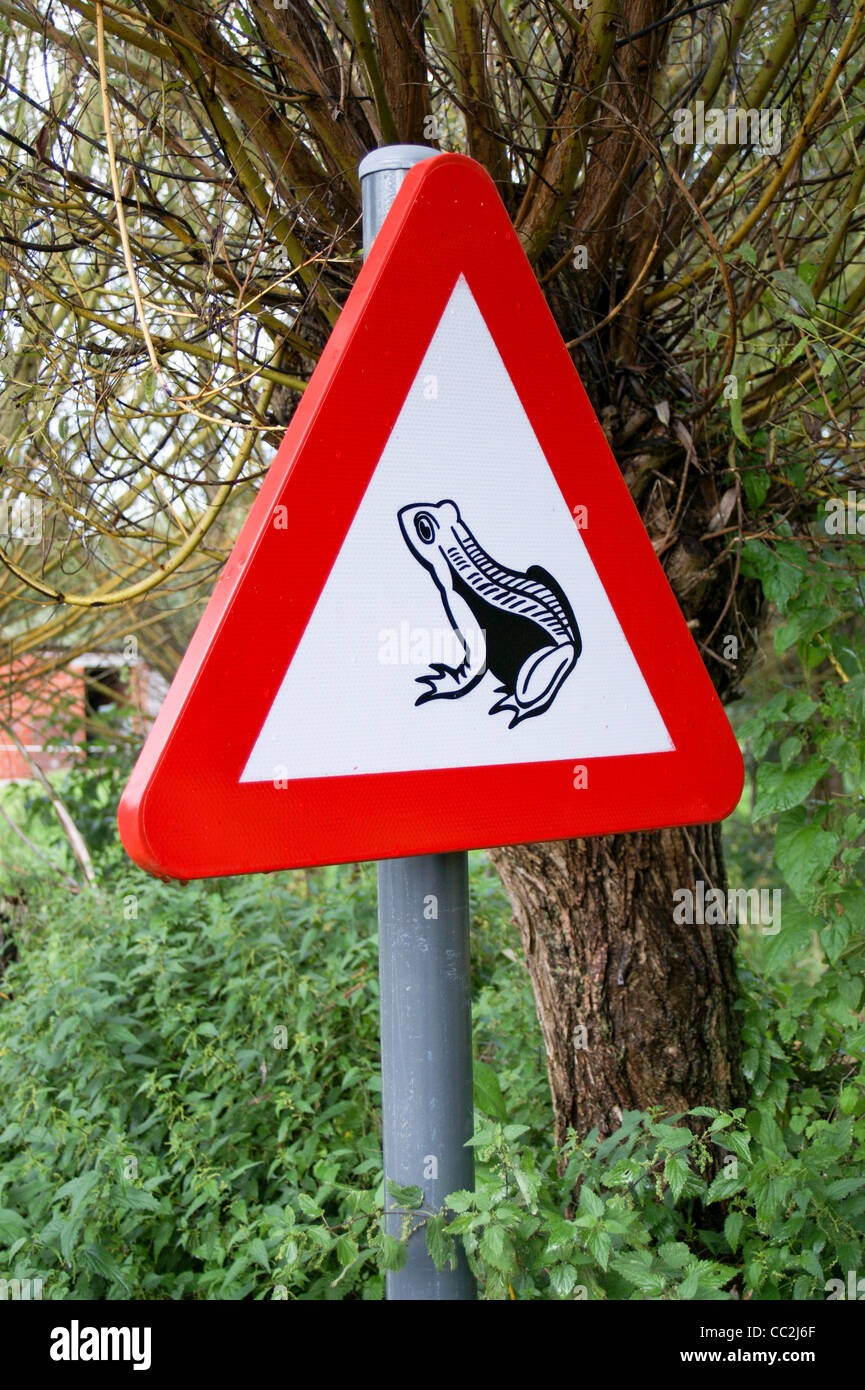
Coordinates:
(190,1078)
(188,1073)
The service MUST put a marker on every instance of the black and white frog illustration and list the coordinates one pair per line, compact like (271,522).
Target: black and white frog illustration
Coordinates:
(522,626)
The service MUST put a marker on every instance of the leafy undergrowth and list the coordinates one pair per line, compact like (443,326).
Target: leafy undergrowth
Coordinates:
(190,1083)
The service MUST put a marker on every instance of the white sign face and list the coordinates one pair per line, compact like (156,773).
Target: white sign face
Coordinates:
(463,623)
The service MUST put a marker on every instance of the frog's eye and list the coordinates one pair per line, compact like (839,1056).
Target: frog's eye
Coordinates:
(424,527)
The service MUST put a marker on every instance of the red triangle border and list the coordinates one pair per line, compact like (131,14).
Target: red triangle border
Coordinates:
(185,814)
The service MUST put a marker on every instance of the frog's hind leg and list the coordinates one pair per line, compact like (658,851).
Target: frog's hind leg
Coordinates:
(544,577)
(538,682)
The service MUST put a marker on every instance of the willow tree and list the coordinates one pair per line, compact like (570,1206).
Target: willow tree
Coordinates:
(179,225)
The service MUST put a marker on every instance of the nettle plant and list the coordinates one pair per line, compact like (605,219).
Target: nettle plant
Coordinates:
(627,1234)
(809,743)
(804,1026)
(638,1215)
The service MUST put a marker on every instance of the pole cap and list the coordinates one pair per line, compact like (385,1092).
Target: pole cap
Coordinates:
(394,157)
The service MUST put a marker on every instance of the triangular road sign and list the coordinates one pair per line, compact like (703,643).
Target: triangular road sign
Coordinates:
(443,624)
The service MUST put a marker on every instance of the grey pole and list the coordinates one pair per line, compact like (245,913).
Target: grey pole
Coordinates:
(423,923)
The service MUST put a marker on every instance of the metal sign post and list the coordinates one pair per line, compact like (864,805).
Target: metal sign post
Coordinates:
(426,1053)
(423,922)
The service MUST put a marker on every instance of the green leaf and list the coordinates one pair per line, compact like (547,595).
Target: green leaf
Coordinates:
(561,1234)
(790,749)
(829,363)
(737,1142)
(769,1191)
(164,1233)
(795,938)
(12,1225)
(488,1092)
(309,1206)
(724,1185)
(803,852)
(257,1251)
(69,1233)
(756,483)
(459,1201)
(674,1253)
(97,1258)
(135,1199)
(590,1202)
(780,571)
(802,625)
(407,1198)
(800,707)
(812,1264)
(563,1278)
(529,1185)
(672,1137)
(497,1248)
(78,1189)
(733,1224)
(676,1172)
(843,1187)
(770,1135)
(437,1242)
(837,1137)
(392,1253)
(636,1267)
(778,789)
(599,1245)
(834,936)
(346,1250)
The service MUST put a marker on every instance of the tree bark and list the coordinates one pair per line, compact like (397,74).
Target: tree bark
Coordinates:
(400,32)
(636,1010)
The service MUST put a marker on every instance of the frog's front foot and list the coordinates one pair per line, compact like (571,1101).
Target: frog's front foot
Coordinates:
(446,682)
(538,682)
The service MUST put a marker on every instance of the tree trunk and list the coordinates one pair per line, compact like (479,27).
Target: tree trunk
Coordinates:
(635,1009)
